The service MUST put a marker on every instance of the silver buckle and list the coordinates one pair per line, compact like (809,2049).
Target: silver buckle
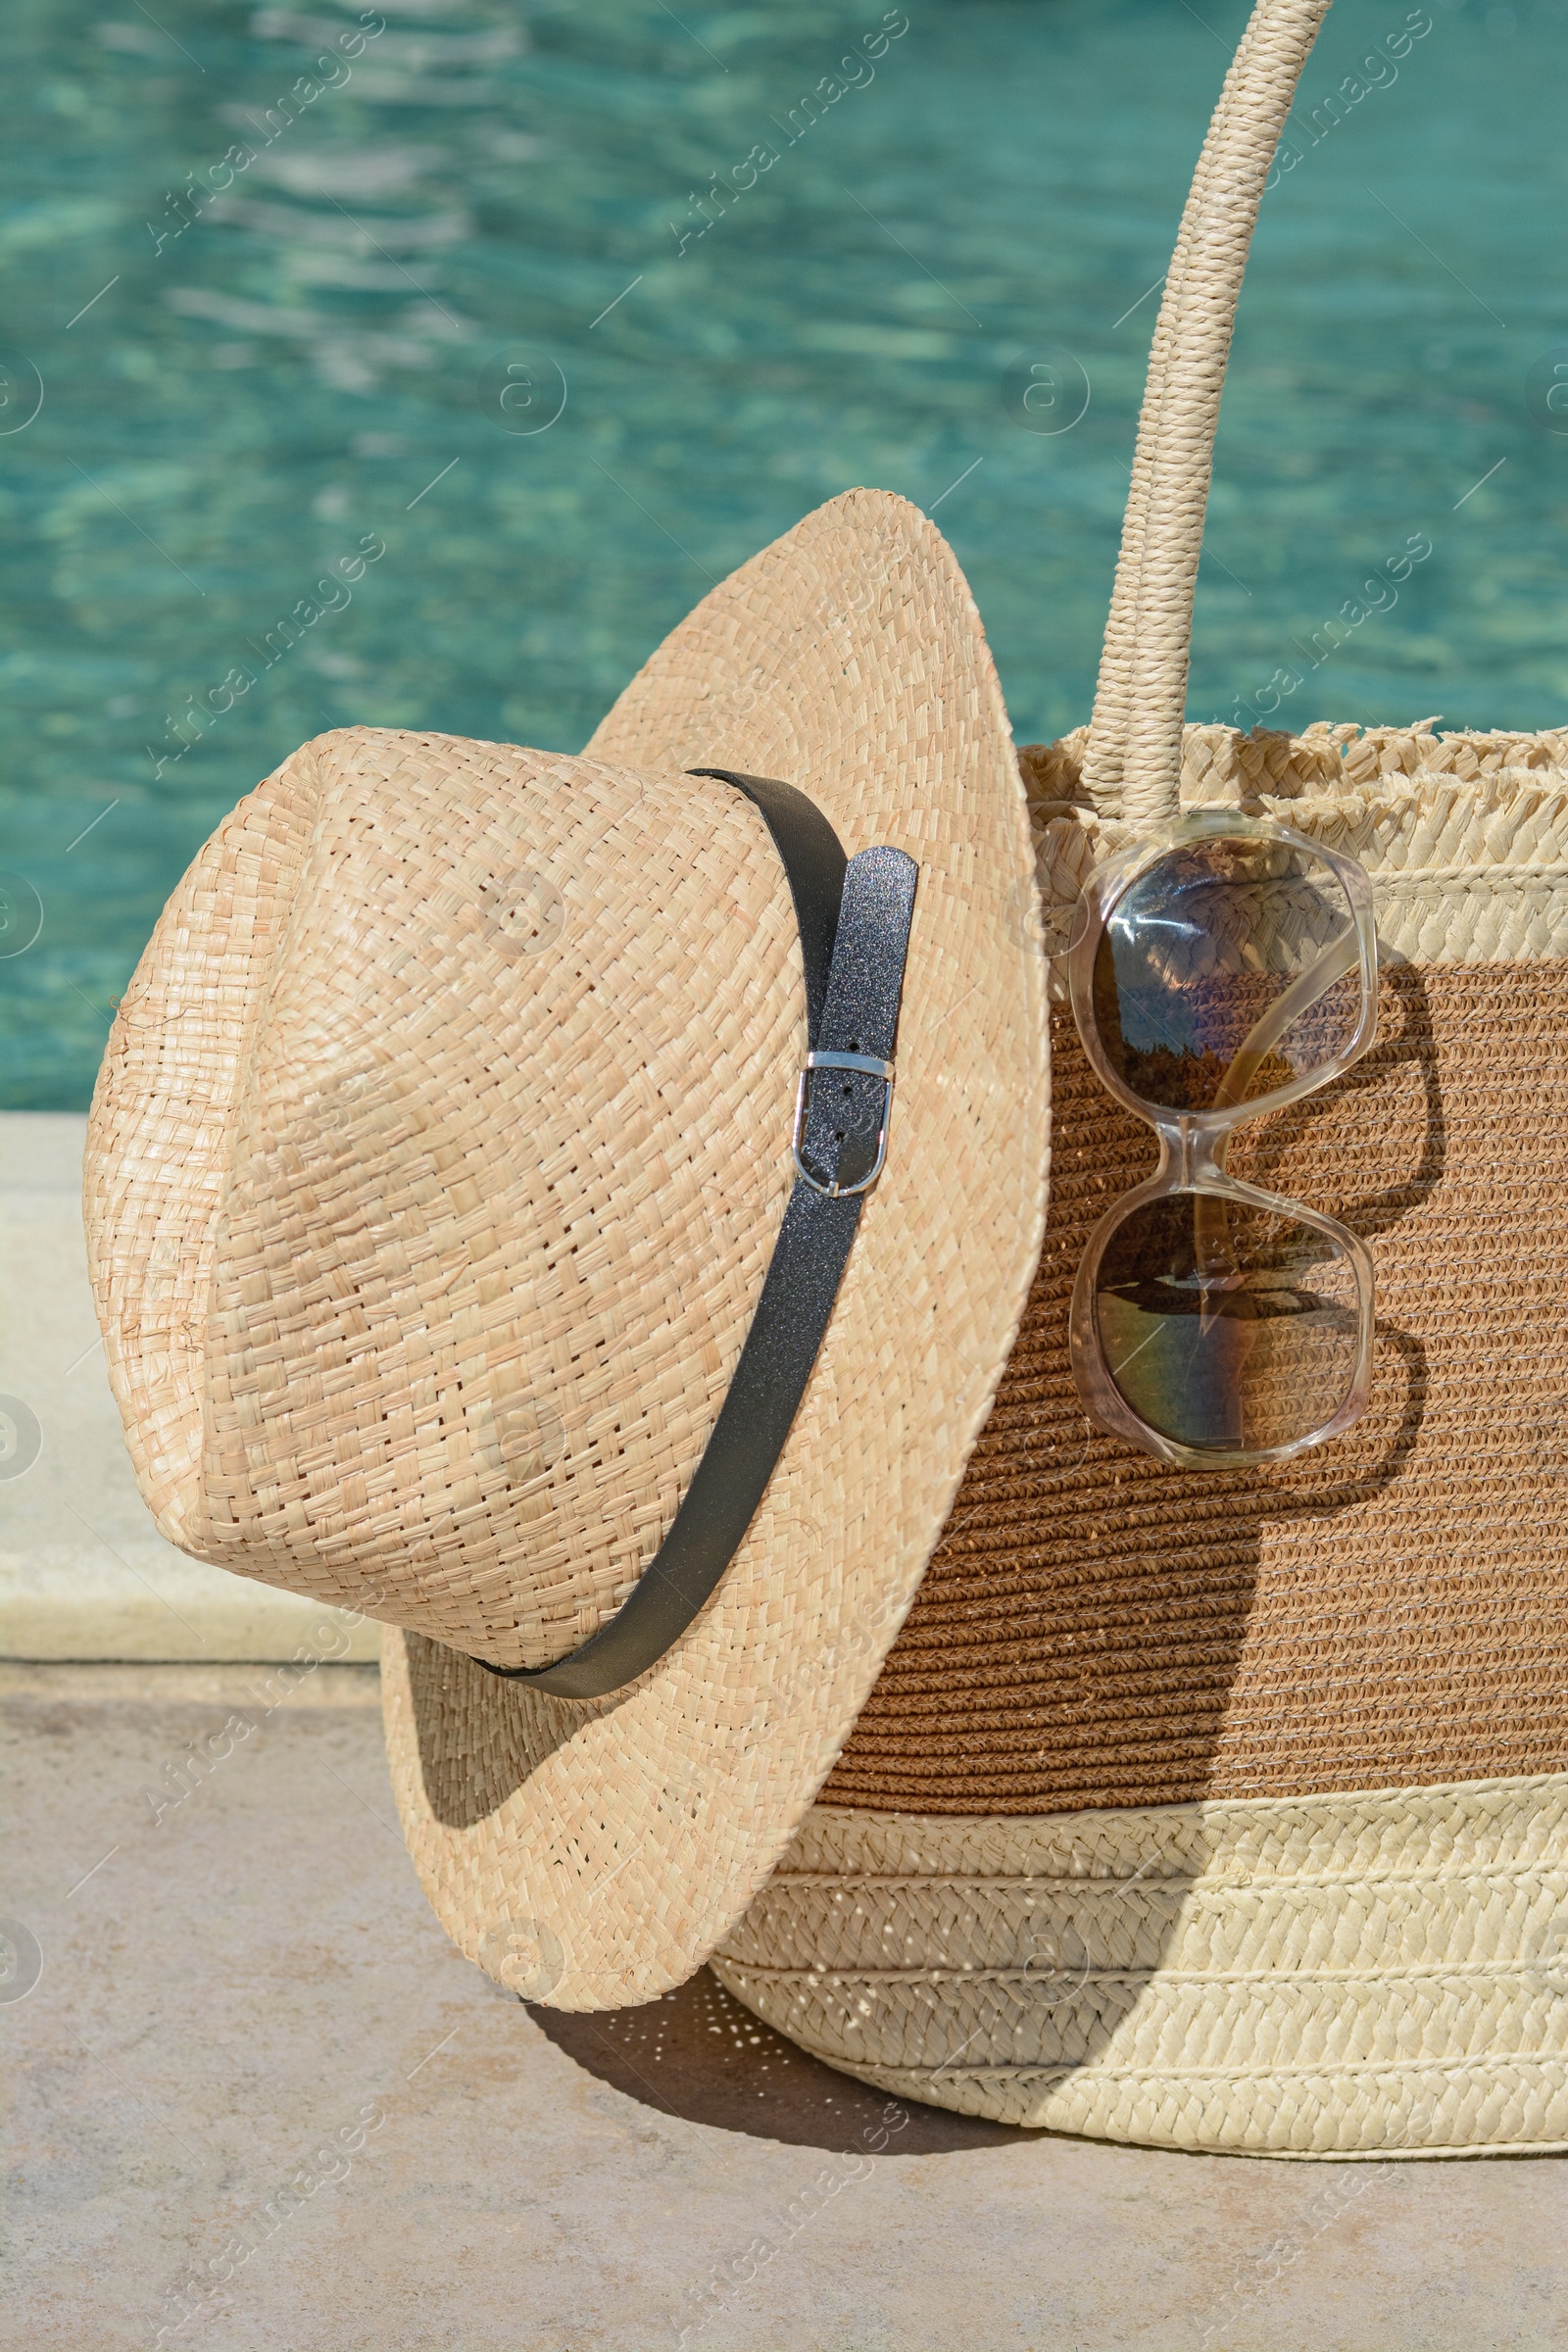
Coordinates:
(872,1068)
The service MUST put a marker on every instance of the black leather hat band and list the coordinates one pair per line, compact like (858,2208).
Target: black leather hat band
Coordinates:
(853,920)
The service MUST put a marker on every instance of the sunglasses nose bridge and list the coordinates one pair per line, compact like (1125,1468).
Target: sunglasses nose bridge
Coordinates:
(1192,1150)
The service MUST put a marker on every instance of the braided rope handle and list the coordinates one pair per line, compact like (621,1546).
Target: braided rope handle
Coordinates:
(1132,765)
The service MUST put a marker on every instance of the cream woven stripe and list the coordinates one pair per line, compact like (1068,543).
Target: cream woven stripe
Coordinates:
(1357,1975)
(1134,759)
(1464,869)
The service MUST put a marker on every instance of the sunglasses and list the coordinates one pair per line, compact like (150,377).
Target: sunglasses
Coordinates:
(1222,968)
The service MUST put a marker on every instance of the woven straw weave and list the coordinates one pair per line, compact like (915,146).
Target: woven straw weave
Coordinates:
(1137,734)
(1097,1629)
(1346,1976)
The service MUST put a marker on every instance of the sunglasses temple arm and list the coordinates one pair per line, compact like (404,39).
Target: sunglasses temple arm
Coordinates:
(1333,964)
(1210,1220)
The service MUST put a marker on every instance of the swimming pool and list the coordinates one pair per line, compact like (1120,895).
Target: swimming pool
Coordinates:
(508,309)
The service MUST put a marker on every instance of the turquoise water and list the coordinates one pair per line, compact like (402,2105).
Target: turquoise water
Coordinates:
(307,363)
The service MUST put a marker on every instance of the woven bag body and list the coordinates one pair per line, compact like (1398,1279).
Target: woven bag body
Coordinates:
(1230,1810)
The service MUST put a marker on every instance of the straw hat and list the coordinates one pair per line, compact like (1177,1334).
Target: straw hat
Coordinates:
(433,1172)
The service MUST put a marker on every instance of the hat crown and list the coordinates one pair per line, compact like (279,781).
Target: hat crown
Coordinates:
(506,1172)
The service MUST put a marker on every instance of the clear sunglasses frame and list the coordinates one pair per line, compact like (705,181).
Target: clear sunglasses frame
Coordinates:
(1192,1145)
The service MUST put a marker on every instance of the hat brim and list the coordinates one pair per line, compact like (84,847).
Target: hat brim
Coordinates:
(592,1854)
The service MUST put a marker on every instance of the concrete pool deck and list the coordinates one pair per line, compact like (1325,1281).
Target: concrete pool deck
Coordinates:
(257,2100)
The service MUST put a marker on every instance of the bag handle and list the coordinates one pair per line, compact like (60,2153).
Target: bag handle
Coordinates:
(1132,763)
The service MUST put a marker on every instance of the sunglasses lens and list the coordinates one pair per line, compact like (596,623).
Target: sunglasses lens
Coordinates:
(1227,971)
(1227,1328)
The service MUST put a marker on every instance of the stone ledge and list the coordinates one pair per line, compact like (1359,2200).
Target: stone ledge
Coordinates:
(137,1682)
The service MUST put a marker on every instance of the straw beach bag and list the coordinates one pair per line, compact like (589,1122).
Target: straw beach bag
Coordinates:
(1230,1810)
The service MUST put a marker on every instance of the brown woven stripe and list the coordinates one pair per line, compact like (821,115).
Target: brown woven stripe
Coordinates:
(1097,1628)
